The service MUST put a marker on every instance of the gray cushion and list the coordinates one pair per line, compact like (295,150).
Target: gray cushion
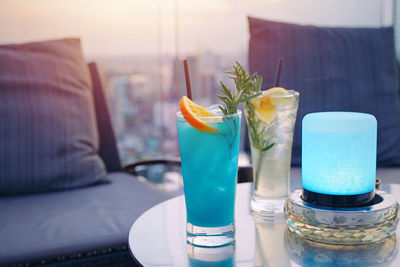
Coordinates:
(334,69)
(40,226)
(48,133)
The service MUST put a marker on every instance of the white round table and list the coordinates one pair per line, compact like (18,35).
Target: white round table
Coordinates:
(158,238)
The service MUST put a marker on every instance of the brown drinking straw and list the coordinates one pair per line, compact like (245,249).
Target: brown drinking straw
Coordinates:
(278,72)
(187,78)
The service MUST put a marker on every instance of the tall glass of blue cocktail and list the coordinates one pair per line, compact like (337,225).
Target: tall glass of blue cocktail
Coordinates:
(209,147)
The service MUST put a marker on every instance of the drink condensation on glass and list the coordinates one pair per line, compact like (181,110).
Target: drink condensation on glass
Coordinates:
(209,168)
(270,119)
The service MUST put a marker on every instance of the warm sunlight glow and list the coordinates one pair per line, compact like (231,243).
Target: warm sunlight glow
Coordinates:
(122,27)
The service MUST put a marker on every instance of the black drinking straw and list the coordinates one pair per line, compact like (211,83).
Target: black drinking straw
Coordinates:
(278,72)
(187,79)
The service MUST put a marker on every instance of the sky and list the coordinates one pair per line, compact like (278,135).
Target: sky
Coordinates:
(144,27)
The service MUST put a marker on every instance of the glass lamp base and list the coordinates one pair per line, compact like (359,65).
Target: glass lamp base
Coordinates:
(210,236)
(267,207)
(305,252)
(358,225)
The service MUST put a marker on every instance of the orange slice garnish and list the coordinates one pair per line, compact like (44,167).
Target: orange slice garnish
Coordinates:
(193,113)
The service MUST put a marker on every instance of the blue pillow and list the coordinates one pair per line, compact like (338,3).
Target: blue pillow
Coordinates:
(48,135)
(334,69)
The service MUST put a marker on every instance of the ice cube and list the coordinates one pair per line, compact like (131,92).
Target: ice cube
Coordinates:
(215,109)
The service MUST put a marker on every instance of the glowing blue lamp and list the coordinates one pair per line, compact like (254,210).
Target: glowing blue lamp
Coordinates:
(339,158)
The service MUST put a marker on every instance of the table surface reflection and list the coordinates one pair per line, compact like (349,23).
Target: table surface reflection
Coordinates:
(158,238)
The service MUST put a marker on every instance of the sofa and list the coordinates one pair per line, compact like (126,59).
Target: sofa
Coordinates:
(86,224)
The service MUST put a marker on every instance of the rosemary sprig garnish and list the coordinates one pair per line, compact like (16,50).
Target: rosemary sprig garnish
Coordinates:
(246,89)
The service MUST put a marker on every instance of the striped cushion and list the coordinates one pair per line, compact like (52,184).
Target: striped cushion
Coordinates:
(48,134)
(334,69)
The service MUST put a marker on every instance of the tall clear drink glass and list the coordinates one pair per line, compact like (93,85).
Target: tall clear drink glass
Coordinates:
(270,121)
(209,168)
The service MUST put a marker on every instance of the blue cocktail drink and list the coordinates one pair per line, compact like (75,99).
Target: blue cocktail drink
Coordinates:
(209,168)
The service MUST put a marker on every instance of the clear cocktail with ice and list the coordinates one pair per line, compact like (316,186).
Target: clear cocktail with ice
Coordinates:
(270,119)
